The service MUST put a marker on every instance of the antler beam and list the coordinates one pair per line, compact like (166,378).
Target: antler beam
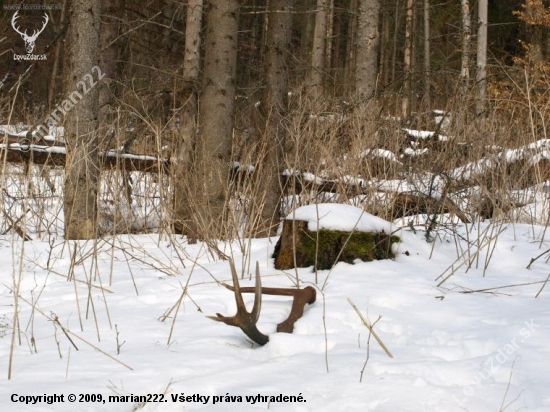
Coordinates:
(247,321)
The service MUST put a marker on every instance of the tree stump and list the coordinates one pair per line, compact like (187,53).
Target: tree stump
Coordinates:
(325,247)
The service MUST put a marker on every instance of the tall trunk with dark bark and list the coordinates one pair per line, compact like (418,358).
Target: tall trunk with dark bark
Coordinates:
(427,54)
(82,165)
(316,72)
(279,37)
(111,16)
(368,39)
(213,157)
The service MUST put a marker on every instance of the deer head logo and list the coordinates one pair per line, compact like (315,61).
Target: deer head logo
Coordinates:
(29,40)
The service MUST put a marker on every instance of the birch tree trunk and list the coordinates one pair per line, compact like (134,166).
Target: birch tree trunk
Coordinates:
(466,36)
(368,39)
(82,163)
(407,87)
(186,128)
(481,73)
(213,159)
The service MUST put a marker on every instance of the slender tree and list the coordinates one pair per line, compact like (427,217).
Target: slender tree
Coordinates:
(351,43)
(481,73)
(407,68)
(187,115)
(427,61)
(368,39)
(466,36)
(82,164)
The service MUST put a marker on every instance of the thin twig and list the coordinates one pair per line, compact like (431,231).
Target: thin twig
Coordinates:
(370,328)
(543,286)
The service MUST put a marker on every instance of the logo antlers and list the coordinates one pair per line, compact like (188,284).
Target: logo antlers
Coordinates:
(29,40)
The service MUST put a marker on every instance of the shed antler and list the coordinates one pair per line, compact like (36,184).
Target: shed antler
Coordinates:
(247,320)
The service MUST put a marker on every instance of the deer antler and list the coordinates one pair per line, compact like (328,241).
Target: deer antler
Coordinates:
(247,321)
(37,32)
(13,19)
(244,319)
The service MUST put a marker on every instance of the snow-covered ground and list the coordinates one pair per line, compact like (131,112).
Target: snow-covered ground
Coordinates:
(136,310)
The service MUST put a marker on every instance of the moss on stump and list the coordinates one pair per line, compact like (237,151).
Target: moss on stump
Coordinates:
(326,247)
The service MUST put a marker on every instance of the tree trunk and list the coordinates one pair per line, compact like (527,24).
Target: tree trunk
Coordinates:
(384,48)
(351,43)
(186,135)
(394,48)
(56,58)
(213,158)
(481,73)
(108,58)
(307,28)
(82,167)
(279,37)
(535,36)
(466,36)
(368,39)
(315,76)
(427,97)
(329,44)
(407,87)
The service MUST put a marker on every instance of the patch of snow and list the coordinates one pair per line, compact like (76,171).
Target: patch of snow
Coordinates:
(114,153)
(442,118)
(240,167)
(414,152)
(339,217)
(387,154)
(310,177)
(424,134)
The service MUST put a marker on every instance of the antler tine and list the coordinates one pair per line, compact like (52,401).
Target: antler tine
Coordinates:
(13,23)
(236,287)
(45,22)
(243,319)
(257,296)
(38,31)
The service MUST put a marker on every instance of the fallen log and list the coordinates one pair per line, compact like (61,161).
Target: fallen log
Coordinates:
(409,204)
(20,149)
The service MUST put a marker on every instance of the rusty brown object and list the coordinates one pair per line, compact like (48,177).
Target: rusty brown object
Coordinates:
(246,321)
